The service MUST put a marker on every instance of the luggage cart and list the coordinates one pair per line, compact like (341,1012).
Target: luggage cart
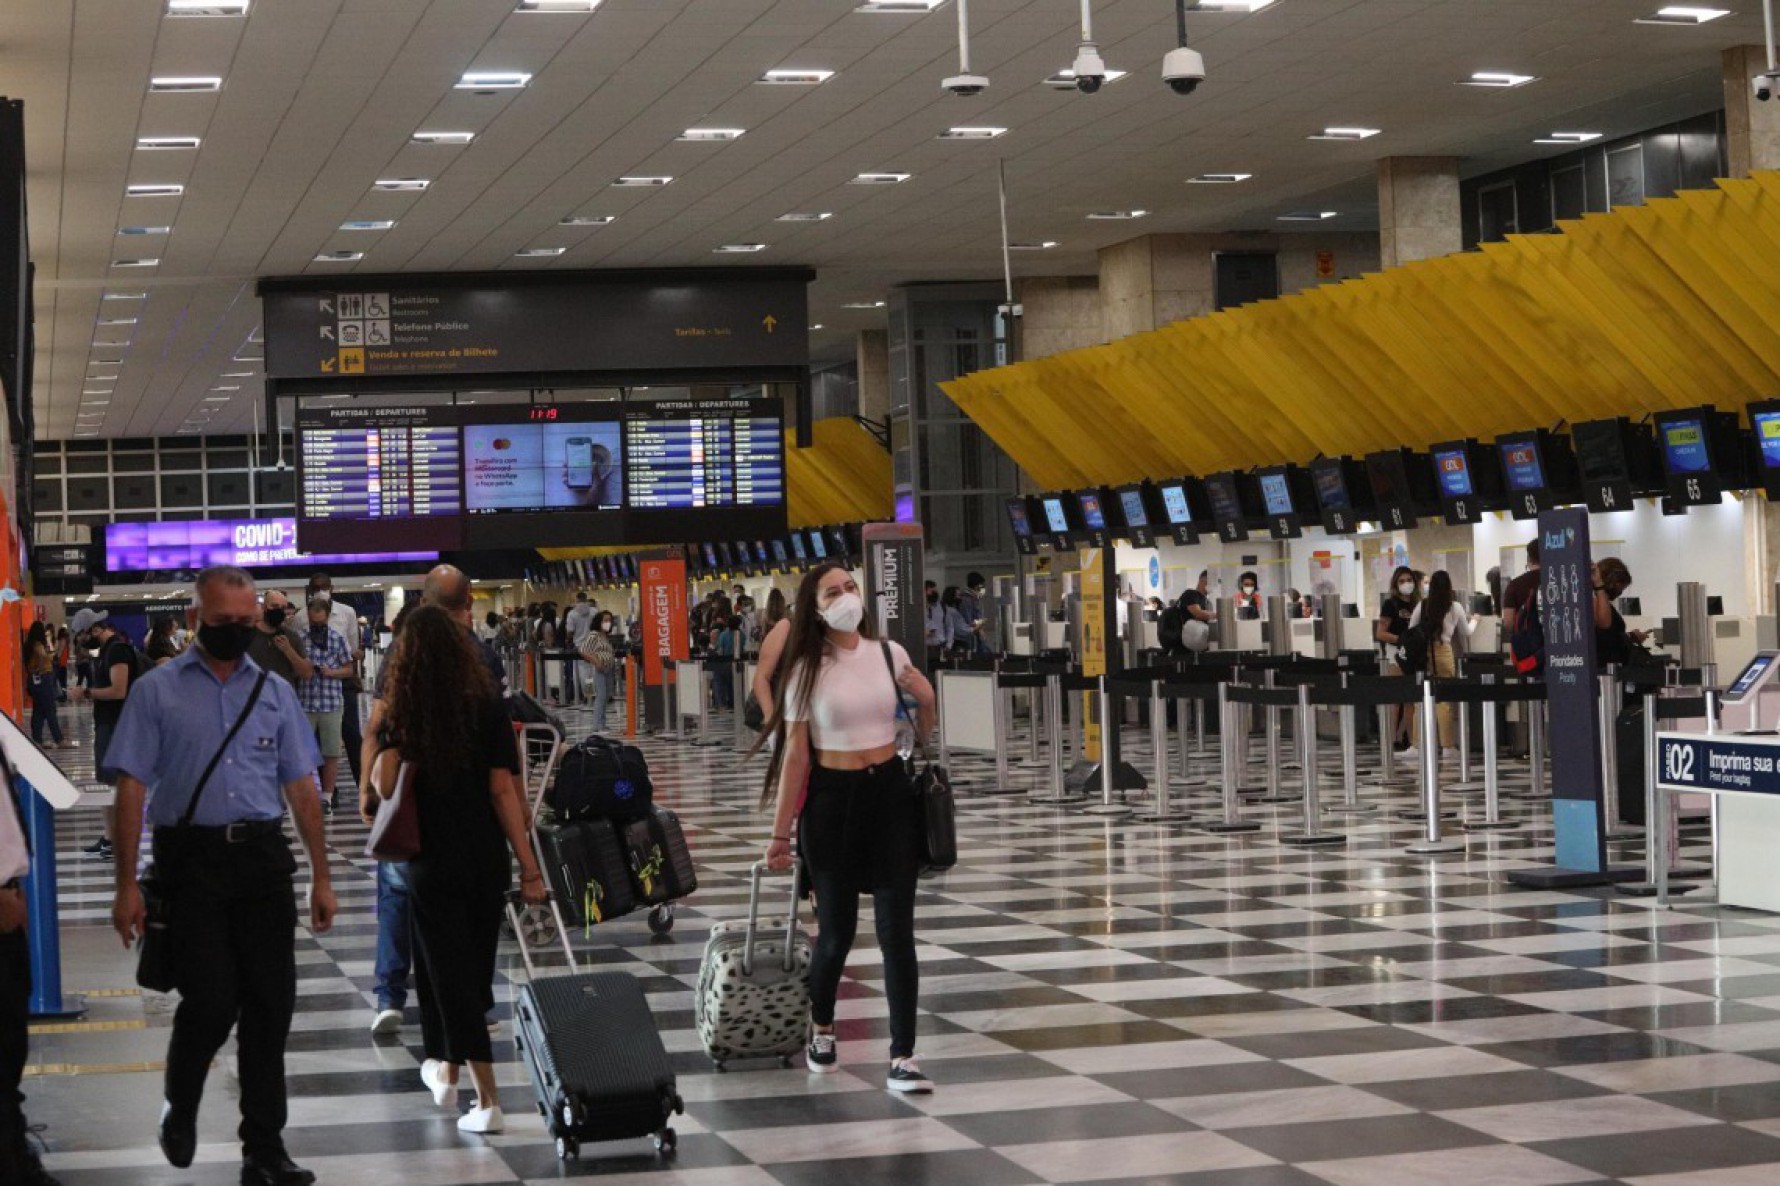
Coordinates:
(540,749)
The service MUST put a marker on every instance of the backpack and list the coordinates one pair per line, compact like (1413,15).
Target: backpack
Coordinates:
(1526,642)
(1168,626)
(1414,643)
(602,779)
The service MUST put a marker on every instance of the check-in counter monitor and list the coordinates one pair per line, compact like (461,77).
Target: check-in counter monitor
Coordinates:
(1748,826)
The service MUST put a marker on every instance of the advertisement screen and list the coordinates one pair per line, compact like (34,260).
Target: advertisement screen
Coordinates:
(1276,494)
(1136,514)
(818,544)
(1767,435)
(1520,465)
(538,467)
(1684,445)
(1454,469)
(1331,490)
(1174,502)
(798,548)
(1225,506)
(1055,517)
(1092,514)
(1017,517)
(243,543)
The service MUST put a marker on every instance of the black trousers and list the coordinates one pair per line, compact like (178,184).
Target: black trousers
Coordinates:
(455,919)
(233,919)
(15,1016)
(351,735)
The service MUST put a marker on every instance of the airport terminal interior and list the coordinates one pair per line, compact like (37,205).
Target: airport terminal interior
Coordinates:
(1148,368)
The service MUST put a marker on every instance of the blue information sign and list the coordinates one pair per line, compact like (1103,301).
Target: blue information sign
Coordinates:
(1566,610)
(1716,762)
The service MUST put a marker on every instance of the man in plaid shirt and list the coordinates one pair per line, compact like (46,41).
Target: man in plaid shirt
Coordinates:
(323,695)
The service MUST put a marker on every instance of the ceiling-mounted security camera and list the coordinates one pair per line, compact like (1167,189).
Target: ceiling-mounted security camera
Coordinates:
(964,82)
(1183,69)
(1766,85)
(1089,69)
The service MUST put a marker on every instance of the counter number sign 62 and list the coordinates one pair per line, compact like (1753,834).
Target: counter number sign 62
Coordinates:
(1678,759)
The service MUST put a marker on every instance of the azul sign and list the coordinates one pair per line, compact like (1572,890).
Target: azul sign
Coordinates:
(244,543)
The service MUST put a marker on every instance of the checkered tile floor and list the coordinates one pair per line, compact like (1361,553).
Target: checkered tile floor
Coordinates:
(1102,1000)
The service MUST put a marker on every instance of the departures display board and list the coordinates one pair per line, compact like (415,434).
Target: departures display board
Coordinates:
(539,475)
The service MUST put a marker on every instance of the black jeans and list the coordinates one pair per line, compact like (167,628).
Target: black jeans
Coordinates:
(15,1016)
(43,708)
(350,733)
(234,919)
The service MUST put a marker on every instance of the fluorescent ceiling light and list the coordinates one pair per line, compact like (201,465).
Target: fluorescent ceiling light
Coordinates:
(899,6)
(225,389)
(1682,14)
(124,296)
(207,7)
(796,77)
(813,216)
(1218,178)
(642,182)
(1064,80)
(248,358)
(1346,134)
(493,80)
(538,252)
(237,375)
(557,5)
(1116,215)
(1308,215)
(1232,5)
(145,230)
(589,220)
(216,399)
(117,321)
(738,249)
(1044,246)
(1568,138)
(816,327)
(339,257)
(184,84)
(95,391)
(443,137)
(135,263)
(368,224)
(863,305)
(1498,78)
(712,134)
(159,143)
(401,184)
(972,133)
(880,179)
(154,191)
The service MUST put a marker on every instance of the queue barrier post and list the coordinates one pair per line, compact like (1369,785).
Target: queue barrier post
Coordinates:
(1661,827)
(670,693)
(1536,721)
(1274,793)
(1608,704)
(1432,841)
(1350,803)
(744,736)
(1103,699)
(1232,821)
(1004,714)
(1058,791)
(1313,833)
(1162,813)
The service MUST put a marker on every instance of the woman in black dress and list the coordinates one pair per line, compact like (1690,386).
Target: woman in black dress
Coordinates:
(445,721)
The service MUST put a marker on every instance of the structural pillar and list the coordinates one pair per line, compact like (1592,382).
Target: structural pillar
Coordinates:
(874,374)
(1752,127)
(1058,314)
(1418,209)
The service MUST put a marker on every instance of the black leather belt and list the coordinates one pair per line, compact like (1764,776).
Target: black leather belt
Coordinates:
(239,831)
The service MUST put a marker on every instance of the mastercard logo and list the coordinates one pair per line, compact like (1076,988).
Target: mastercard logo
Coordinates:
(502,444)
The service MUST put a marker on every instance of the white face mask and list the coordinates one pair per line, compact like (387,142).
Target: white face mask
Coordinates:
(845,614)
(1406,587)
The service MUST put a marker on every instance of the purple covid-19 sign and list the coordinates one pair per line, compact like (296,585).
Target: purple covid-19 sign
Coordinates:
(245,543)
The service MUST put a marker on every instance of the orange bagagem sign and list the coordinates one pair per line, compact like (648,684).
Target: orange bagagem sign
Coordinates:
(666,630)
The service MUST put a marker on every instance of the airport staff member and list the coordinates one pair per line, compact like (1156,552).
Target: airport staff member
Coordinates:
(228,876)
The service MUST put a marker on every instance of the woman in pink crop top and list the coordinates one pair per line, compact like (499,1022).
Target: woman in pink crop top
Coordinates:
(834,724)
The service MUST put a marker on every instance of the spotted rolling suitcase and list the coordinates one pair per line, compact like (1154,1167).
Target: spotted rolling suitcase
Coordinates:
(753,998)
(597,1065)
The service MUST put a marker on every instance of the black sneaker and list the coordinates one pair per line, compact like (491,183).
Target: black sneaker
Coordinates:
(905,1075)
(99,850)
(820,1053)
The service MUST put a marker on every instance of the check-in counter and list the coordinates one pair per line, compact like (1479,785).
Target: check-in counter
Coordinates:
(1019,638)
(1053,636)
(1357,634)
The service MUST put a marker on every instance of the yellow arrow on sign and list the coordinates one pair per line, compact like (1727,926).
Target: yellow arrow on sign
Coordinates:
(769,322)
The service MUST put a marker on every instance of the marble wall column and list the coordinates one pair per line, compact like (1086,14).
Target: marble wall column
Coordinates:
(1418,208)
(873,353)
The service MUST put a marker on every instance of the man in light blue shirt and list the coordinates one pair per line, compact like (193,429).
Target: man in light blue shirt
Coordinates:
(227,870)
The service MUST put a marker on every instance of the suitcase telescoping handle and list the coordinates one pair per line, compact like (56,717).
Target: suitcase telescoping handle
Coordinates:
(515,904)
(754,875)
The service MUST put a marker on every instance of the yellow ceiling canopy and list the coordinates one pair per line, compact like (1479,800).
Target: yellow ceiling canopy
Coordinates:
(1666,305)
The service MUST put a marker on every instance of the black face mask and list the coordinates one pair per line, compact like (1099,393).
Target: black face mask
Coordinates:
(933,599)
(275,618)
(225,641)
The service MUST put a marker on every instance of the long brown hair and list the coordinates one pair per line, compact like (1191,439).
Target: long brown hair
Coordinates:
(438,689)
(1436,604)
(801,660)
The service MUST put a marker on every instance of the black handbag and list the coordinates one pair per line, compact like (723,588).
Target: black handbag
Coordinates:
(155,969)
(936,808)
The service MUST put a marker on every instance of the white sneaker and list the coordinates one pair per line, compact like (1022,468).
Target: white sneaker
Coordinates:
(482,1120)
(1409,754)
(494,1027)
(1449,754)
(387,1021)
(432,1073)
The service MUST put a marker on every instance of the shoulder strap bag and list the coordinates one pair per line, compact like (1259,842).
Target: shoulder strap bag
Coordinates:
(936,809)
(395,833)
(154,950)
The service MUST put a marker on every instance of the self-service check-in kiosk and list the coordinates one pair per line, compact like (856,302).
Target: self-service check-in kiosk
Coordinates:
(1749,825)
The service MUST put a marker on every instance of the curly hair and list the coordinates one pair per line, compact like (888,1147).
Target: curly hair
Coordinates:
(436,692)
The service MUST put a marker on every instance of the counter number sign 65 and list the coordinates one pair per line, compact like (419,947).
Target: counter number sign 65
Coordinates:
(1678,762)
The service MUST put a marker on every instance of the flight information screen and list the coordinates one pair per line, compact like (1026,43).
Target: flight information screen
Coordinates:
(1454,469)
(708,457)
(385,476)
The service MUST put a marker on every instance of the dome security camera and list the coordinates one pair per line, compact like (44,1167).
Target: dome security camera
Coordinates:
(1183,69)
(966,84)
(1766,84)
(1089,69)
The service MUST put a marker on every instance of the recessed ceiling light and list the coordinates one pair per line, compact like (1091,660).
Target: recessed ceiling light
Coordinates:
(813,216)
(1682,14)
(443,137)
(815,327)
(117,321)
(557,5)
(1232,5)
(642,182)
(493,80)
(97,391)
(216,399)
(738,249)
(1568,138)
(796,77)
(160,143)
(1345,134)
(368,224)
(207,7)
(145,230)
(1307,215)
(880,179)
(184,84)
(339,257)
(1218,178)
(1046,245)
(401,184)
(124,296)
(154,191)
(588,220)
(135,263)
(538,252)
(1116,215)
(705,135)
(237,375)
(972,133)
(225,388)
(1064,80)
(863,305)
(1498,78)
(899,6)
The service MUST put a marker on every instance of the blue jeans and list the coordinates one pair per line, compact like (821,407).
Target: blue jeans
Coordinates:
(394,944)
(602,696)
(43,708)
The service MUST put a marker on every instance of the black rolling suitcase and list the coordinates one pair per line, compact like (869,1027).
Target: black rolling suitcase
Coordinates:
(598,1068)
(588,869)
(660,863)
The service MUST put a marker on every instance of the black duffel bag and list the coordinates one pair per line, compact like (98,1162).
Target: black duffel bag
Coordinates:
(602,779)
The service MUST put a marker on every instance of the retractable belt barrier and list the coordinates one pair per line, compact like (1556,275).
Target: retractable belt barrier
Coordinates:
(1008,682)
(1453,691)
(1661,822)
